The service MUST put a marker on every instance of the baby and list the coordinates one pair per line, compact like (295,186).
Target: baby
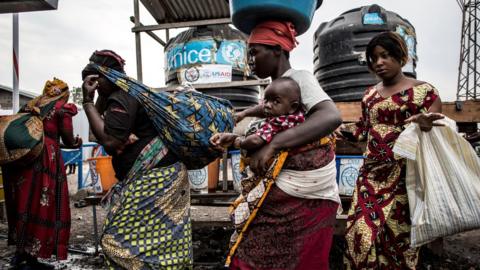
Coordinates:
(283,108)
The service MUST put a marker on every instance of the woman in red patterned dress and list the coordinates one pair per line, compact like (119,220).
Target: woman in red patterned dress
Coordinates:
(37,201)
(378,224)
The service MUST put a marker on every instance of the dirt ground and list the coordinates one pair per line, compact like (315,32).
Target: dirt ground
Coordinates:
(210,241)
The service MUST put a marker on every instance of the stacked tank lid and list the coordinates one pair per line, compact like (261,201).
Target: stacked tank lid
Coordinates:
(339,50)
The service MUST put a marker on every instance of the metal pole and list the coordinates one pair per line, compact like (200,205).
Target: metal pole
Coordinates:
(225,172)
(95,227)
(138,44)
(475,51)
(15,92)
(80,169)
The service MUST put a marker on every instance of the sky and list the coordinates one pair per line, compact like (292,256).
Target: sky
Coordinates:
(58,43)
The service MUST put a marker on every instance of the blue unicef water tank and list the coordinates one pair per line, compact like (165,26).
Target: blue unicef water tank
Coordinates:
(339,50)
(246,14)
(211,54)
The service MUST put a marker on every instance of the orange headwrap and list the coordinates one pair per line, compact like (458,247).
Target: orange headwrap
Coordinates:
(274,33)
(53,90)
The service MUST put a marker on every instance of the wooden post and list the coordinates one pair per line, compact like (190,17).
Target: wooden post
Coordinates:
(225,172)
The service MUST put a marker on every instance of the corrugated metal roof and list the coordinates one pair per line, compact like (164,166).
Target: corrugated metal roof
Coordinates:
(170,11)
(13,6)
(24,93)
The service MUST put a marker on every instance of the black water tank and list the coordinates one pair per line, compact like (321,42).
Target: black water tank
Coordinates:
(339,50)
(208,54)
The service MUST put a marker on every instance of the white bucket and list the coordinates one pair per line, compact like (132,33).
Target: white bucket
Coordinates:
(198,180)
(237,176)
(348,174)
(95,176)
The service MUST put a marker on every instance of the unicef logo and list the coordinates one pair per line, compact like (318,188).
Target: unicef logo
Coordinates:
(349,176)
(197,177)
(233,53)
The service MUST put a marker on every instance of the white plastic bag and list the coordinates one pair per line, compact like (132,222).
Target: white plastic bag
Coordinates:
(443,181)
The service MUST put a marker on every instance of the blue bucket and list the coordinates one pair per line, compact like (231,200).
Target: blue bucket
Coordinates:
(246,14)
(71,156)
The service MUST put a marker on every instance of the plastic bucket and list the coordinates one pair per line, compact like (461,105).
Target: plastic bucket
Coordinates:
(348,168)
(237,176)
(71,156)
(213,172)
(198,180)
(246,14)
(103,175)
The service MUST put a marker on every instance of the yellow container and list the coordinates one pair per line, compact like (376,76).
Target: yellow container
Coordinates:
(102,172)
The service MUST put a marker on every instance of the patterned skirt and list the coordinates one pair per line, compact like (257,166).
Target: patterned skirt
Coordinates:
(38,209)
(378,224)
(288,233)
(149,225)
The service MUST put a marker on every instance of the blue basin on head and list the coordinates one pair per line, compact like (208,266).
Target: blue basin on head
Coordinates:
(246,14)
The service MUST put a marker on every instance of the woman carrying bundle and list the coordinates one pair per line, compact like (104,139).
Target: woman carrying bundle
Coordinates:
(148,226)
(36,194)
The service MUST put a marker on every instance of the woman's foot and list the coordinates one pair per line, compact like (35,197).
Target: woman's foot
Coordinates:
(17,260)
(33,263)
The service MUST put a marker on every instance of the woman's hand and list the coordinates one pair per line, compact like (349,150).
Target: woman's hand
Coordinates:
(131,139)
(472,138)
(425,120)
(338,132)
(261,160)
(89,86)
(221,141)
(78,142)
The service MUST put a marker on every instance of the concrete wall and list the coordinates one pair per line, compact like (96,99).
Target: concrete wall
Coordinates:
(6,99)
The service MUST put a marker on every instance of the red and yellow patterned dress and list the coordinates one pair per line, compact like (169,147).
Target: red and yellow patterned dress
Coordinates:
(37,200)
(378,224)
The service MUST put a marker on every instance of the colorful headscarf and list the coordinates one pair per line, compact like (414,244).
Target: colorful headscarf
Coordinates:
(52,91)
(109,53)
(275,33)
(106,58)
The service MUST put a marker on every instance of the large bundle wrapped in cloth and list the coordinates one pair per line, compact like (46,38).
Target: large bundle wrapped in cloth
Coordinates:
(185,119)
(21,134)
(21,137)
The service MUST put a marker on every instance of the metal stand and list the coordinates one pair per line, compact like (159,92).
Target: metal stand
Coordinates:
(95,228)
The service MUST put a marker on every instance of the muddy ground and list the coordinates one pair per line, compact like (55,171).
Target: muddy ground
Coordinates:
(210,239)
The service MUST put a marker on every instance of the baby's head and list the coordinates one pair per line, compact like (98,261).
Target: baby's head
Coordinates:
(282,97)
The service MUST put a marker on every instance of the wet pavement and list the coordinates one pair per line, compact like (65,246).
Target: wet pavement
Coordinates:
(211,232)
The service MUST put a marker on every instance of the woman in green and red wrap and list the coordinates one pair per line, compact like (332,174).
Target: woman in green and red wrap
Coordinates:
(294,227)
(36,195)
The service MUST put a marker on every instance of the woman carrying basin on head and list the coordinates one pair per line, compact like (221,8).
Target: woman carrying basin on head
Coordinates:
(293,228)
